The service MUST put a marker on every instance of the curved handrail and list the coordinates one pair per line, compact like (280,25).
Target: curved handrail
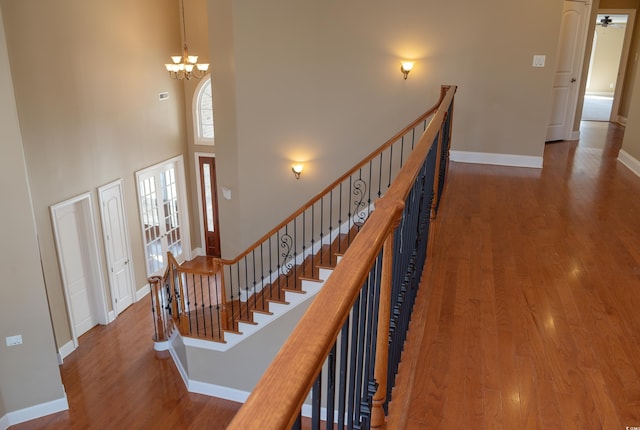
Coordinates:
(335,183)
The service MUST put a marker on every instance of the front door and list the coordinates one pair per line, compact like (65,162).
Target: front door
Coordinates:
(209,205)
(569,57)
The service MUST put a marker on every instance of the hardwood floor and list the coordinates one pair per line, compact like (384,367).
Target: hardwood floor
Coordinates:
(530,314)
(528,317)
(115,380)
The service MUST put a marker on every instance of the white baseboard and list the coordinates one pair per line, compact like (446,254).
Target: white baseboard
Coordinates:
(632,163)
(574,135)
(65,350)
(142,292)
(218,391)
(198,252)
(33,412)
(496,159)
(111,316)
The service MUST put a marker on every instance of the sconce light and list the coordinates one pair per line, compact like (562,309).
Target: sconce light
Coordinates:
(297,169)
(406,67)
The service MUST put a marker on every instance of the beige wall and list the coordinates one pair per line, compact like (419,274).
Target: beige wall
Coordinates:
(320,82)
(631,140)
(605,59)
(28,373)
(87,77)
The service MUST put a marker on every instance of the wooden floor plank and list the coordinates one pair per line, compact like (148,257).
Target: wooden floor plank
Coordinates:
(536,273)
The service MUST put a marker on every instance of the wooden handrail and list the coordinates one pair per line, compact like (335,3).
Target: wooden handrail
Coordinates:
(282,389)
(324,192)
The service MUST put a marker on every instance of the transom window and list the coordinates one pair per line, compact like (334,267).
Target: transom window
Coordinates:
(203,113)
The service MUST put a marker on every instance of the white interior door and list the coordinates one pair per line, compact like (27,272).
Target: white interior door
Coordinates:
(76,243)
(116,242)
(570,55)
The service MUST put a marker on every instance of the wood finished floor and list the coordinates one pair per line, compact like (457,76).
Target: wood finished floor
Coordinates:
(531,315)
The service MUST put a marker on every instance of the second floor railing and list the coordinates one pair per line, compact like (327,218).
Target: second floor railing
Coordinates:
(345,351)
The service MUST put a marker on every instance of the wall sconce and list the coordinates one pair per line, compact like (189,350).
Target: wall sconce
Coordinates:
(297,169)
(406,67)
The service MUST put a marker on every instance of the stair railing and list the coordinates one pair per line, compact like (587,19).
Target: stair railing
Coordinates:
(189,299)
(319,230)
(346,348)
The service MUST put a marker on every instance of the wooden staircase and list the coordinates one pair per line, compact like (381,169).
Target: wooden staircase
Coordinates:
(213,322)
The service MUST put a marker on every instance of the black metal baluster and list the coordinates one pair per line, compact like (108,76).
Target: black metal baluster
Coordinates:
(255,297)
(343,384)
(353,363)
(262,274)
(204,325)
(331,387)
(246,287)
(321,228)
(316,397)
(380,176)
(352,192)
(340,219)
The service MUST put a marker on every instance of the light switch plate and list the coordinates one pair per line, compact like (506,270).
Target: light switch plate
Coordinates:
(14,340)
(539,60)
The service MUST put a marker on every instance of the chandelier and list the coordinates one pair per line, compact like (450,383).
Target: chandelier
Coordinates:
(185,66)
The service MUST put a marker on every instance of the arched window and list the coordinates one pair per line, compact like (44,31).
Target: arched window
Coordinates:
(203,113)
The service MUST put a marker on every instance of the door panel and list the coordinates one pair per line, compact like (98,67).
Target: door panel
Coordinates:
(114,227)
(568,68)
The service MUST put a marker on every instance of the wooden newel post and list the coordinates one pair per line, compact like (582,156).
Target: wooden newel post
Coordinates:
(378,418)
(155,282)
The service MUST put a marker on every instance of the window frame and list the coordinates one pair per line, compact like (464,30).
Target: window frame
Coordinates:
(198,138)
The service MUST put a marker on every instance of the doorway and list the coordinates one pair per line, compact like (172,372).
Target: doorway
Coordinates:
(77,247)
(163,214)
(607,64)
(208,203)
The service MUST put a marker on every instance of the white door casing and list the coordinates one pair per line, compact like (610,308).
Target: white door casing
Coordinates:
(568,69)
(77,247)
(117,247)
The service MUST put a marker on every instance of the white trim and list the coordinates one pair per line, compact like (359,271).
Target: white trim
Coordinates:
(65,350)
(197,252)
(622,120)
(496,159)
(99,296)
(219,391)
(112,316)
(195,113)
(574,135)
(142,292)
(629,161)
(196,158)
(4,422)
(36,411)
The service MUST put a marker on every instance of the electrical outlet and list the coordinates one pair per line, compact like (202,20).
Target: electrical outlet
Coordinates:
(14,340)
(539,60)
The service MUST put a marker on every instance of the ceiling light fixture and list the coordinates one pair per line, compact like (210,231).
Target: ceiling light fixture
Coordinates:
(185,66)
